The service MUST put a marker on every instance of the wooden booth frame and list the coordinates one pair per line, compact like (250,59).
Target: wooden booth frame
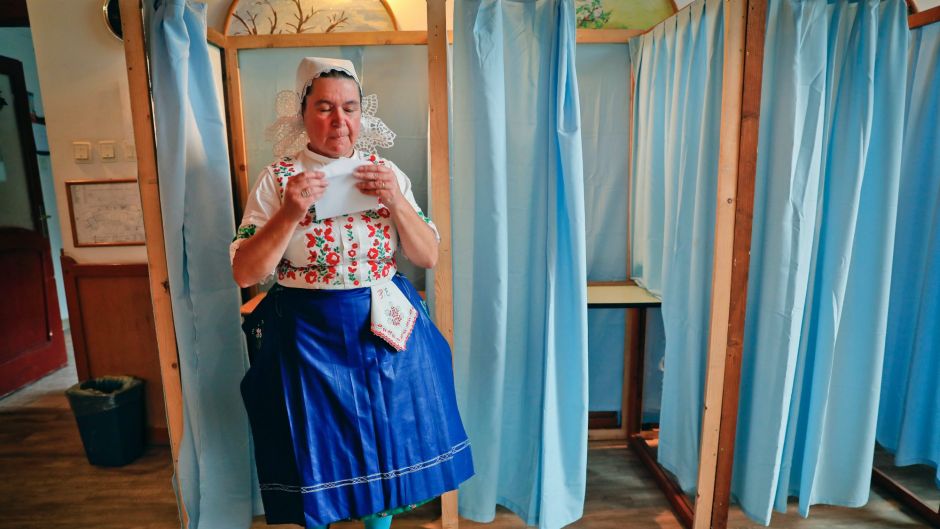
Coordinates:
(743,60)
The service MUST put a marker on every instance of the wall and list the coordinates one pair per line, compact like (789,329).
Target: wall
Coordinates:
(84,91)
(17,43)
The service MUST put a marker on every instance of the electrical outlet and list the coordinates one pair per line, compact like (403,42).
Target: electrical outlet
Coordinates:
(130,151)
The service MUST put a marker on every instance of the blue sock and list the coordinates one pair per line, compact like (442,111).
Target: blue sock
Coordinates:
(384,522)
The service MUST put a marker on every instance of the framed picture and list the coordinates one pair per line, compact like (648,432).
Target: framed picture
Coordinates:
(105,212)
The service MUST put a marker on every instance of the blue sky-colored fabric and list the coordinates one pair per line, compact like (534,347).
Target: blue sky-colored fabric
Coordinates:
(604,97)
(215,460)
(829,152)
(520,297)
(678,68)
(909,414)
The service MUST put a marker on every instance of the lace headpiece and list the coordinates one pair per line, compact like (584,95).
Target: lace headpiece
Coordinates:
(288,133)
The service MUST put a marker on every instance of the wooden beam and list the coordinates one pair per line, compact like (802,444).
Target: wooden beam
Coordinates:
(924,18)
(228,16)
(674,495)
(606,36)
(729,143)
(147,177)
(215,38)
(386,38)
(634,371)
(741,255)
(391,15)
(630,117)
(440,165)
(236,127)
(307,40)
(439,178)
(906,497)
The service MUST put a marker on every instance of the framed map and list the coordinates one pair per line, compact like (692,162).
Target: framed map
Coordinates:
(105,212)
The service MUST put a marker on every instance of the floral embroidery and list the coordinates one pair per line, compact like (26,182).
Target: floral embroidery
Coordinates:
(310,274)
(394,315)
(245,232)
(347,251)
(282,170)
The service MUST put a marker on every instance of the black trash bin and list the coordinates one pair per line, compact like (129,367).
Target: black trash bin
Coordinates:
(110,416)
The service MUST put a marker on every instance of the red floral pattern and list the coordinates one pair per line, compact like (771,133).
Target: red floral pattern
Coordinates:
(342,252)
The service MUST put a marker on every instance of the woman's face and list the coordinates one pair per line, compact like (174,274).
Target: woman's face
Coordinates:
(331,116)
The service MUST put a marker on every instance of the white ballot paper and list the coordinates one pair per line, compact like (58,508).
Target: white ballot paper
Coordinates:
(342,196)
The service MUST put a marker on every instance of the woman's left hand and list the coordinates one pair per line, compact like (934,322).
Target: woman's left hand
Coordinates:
(379,181)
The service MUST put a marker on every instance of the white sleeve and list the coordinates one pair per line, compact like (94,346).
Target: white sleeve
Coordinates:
(263,201)
(404,183)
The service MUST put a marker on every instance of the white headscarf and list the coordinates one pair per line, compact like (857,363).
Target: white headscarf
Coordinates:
(312,67)
(287,132)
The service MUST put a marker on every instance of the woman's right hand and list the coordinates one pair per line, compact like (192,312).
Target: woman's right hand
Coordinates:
(302,191)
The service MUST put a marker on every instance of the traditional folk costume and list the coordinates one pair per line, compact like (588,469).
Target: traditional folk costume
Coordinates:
(350,393)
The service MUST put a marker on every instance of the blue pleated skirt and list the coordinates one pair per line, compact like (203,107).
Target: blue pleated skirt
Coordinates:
(343,425)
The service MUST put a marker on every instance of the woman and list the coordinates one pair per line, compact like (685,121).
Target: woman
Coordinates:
(350,394)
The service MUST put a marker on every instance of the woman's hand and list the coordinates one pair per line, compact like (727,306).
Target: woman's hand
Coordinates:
(418,240)
(380,181)
(301,192)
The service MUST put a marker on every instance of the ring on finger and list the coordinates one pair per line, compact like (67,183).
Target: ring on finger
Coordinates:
(305,193)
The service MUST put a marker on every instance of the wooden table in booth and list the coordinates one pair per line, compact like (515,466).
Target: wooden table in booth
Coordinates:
(636,300)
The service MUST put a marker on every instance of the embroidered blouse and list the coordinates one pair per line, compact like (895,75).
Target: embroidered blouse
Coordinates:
(342,252)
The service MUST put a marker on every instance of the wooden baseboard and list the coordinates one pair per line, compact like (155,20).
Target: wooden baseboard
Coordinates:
(602,420)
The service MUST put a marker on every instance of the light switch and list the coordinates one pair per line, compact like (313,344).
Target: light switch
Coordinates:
(130,151)
(81,151)
(107,151)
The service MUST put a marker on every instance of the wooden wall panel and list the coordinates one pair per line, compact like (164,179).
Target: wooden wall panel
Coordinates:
(113,333)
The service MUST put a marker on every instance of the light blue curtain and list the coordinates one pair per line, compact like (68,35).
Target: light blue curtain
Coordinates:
(677,97)
(215,462)
(519,259)
(829,152)
(909,416)
(604,99)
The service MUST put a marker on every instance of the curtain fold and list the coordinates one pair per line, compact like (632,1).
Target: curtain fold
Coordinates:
(604,99)
(825,204)
(909,414)
(215,460)
(677,97)
(519,259)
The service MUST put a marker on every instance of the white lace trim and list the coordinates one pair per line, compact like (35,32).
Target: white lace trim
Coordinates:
(447,456)
(288,134)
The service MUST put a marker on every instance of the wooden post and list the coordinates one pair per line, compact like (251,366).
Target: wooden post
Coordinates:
(236,128)
(440,164)
(744,213)
(632,410)
(730,135)
(147,178)
(440,195)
